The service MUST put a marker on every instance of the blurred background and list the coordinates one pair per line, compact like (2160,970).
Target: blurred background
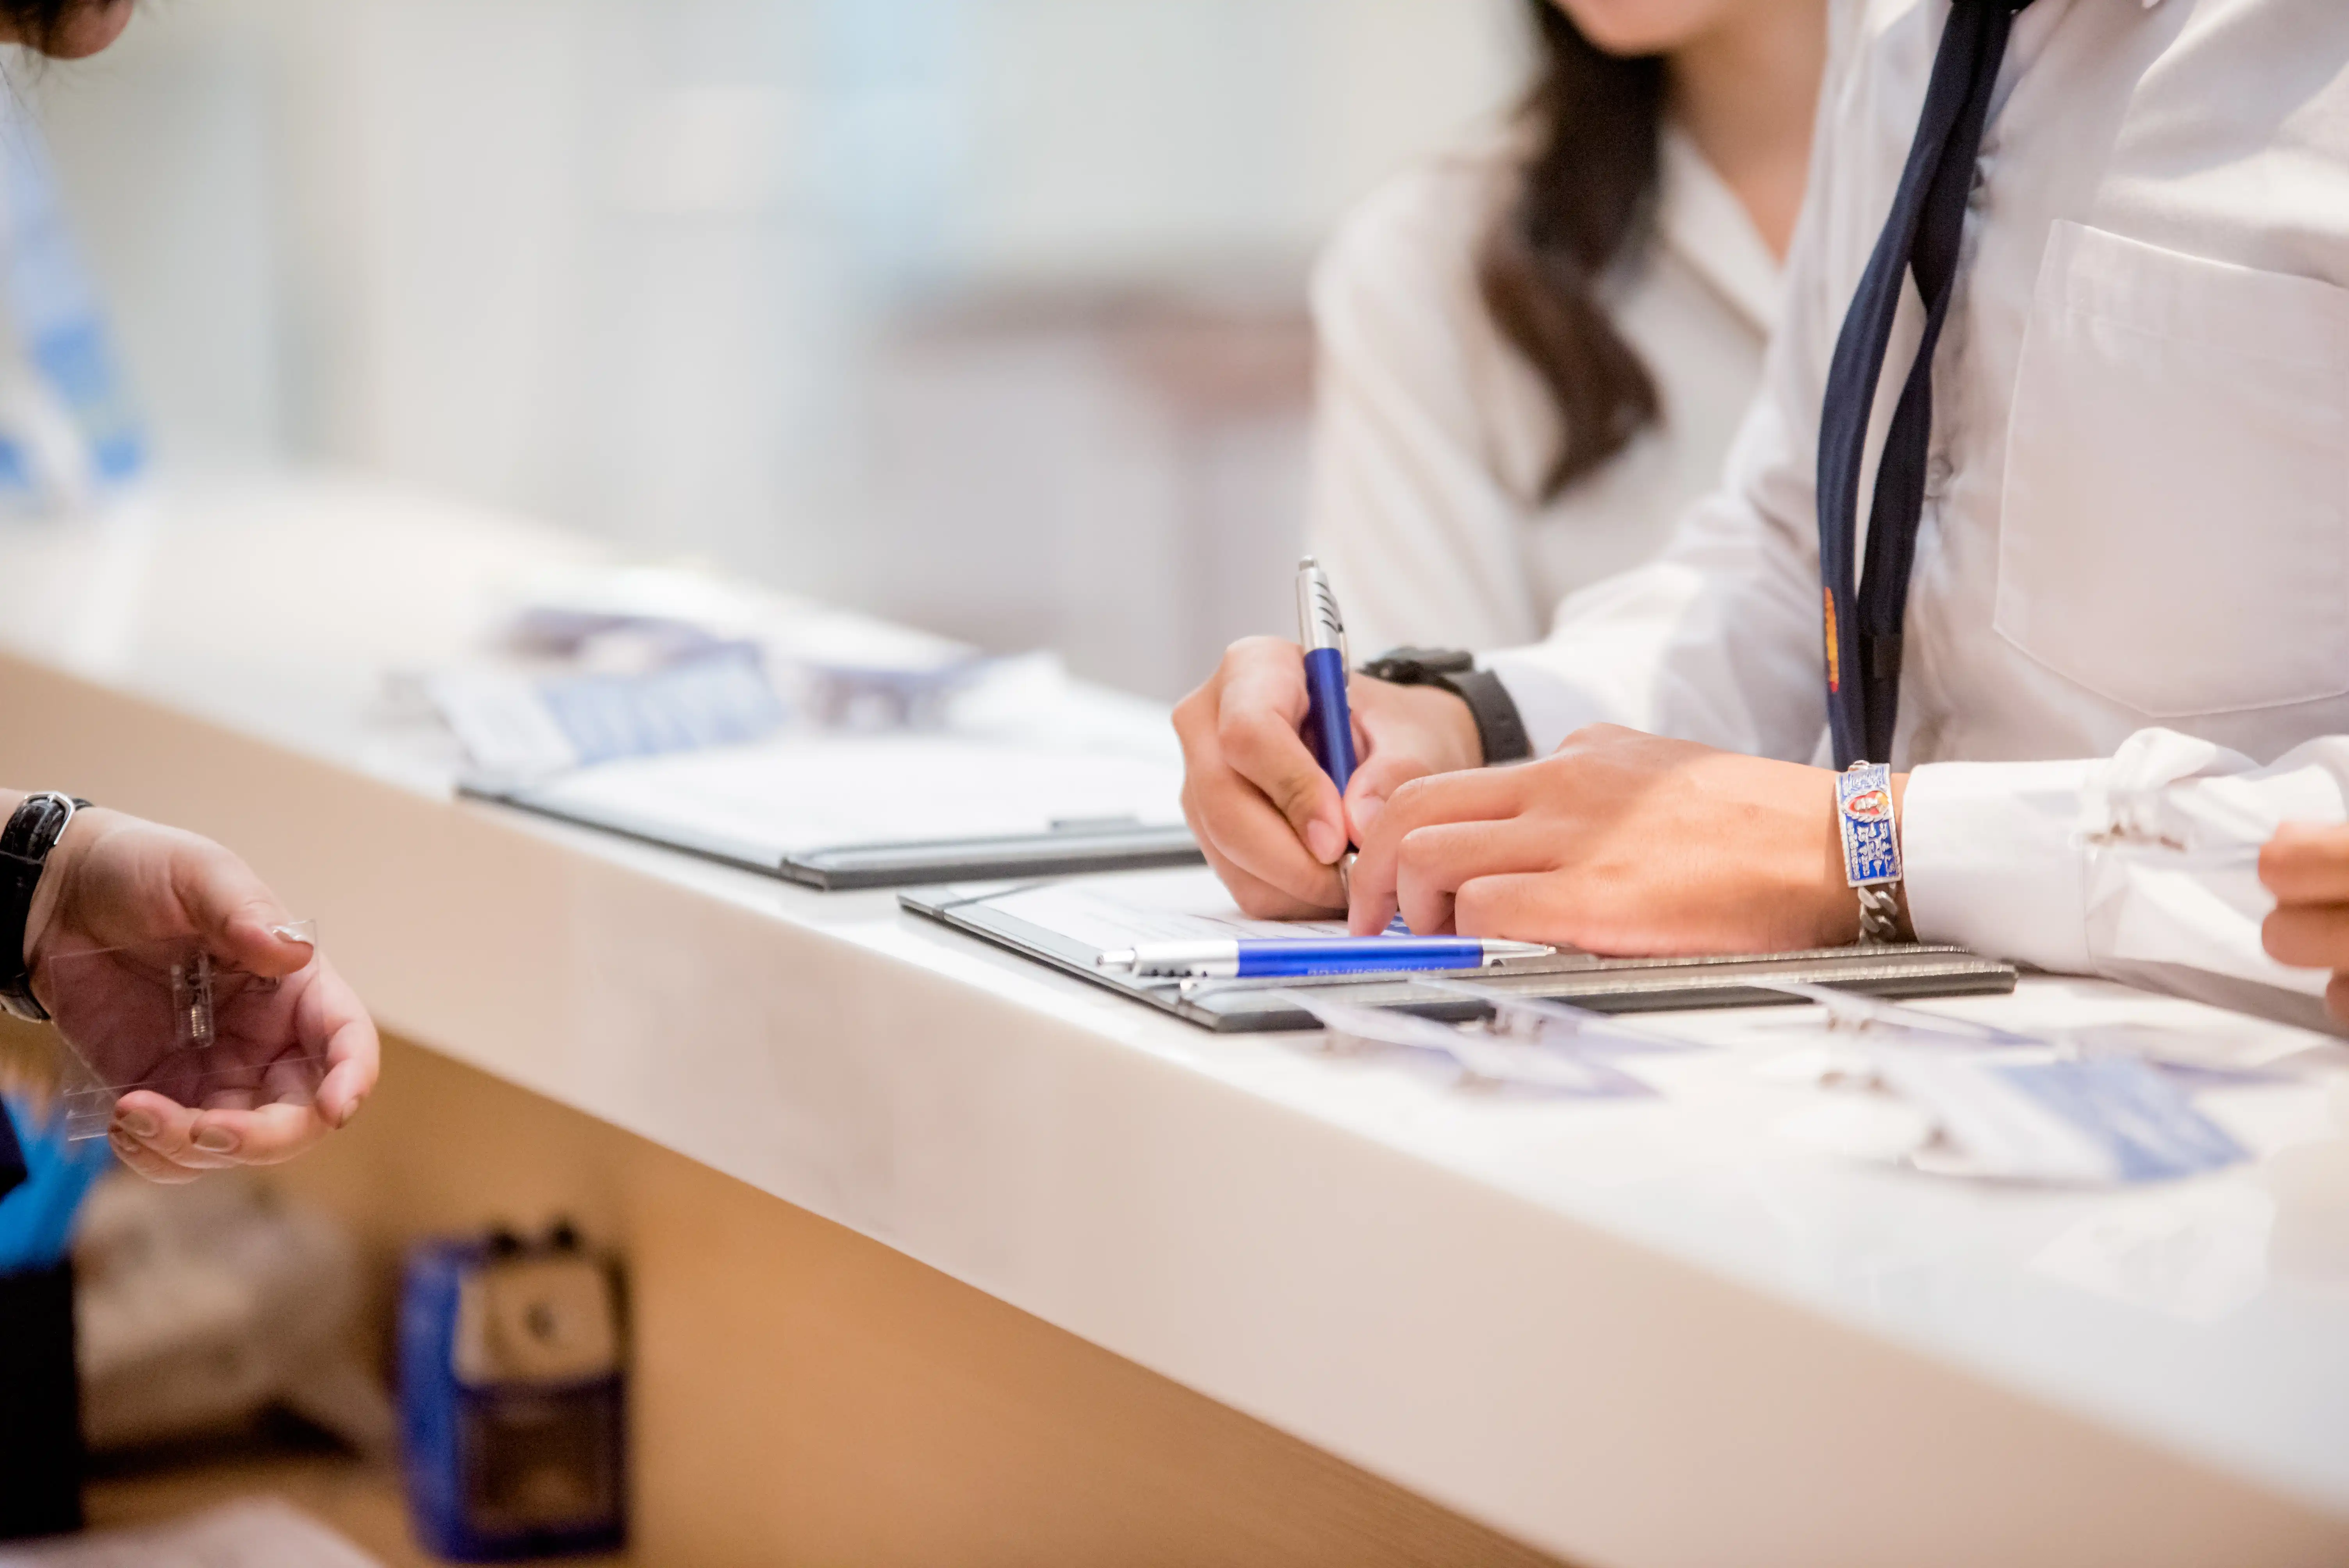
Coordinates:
(983,314)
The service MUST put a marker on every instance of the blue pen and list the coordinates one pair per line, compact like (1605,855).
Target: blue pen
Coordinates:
(1329,722)
(1233,957)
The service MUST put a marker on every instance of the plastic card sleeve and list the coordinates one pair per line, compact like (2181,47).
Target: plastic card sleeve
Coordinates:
(1479,1054)
(174,1018)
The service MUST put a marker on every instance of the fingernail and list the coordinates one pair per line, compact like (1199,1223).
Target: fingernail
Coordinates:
(1366,811)
(121,1143)
(139,1124)
(215,1141)
(300,934)
(348,1112)
(1326,842)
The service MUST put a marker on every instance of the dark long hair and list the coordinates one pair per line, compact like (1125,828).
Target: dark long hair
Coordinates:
(1585,197)
(40,23)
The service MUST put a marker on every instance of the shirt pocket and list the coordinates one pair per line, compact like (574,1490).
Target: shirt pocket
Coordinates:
(2175,531)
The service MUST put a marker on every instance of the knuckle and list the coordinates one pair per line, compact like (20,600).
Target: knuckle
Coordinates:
(1237,729)
(1410,796)
(1416,852)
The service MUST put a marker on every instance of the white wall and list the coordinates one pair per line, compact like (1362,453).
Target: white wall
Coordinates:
(643,266)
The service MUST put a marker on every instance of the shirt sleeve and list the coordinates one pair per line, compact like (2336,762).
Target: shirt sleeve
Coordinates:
(2143,864)
(1406,509)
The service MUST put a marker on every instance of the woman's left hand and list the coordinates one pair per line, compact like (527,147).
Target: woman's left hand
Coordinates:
(1618,843)
(2306,866)
(115,881)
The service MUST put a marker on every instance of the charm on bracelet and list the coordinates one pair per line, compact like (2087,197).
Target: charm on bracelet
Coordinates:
(1871,847)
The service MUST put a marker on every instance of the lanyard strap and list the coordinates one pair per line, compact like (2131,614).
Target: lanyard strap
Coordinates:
(1922,237)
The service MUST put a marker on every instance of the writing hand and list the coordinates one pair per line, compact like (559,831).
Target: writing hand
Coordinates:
(1270,821)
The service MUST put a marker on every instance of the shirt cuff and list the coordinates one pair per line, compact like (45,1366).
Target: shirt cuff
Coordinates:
(1993,859)
(1550,708)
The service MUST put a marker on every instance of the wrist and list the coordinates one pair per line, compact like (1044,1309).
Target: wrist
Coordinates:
(1443,716)
(1499,729)
(53,895)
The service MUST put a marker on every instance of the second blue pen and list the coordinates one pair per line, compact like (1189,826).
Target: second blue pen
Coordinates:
(1316,956)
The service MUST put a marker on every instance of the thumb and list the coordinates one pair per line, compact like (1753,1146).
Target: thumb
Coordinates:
(234,912)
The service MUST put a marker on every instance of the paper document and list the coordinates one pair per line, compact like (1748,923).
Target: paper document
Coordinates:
(1113,911)
(787,796)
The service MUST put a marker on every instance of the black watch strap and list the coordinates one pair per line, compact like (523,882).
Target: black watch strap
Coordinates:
(25,845)
(1500,729)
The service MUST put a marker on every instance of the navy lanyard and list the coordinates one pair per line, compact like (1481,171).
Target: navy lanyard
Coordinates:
(1920,237)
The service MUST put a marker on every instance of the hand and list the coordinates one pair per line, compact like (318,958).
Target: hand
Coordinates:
(1269,819)
(1618,842)
(116,882)
(2306,866)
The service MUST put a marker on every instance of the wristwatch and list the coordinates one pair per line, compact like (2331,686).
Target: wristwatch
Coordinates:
(25,845)
(1499,726)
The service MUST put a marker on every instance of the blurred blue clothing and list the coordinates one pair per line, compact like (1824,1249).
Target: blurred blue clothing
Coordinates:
(52,1174)
(11,1156)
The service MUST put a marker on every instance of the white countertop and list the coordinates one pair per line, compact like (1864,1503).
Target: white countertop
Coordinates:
(1648,1333)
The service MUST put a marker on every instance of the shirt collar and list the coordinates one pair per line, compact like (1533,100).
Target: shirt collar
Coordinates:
(1701,219)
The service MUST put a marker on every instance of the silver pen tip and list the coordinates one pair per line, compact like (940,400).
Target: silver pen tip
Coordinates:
(1307,565)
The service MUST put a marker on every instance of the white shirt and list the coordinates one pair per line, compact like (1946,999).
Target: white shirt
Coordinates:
(2128,645)
(1431,433)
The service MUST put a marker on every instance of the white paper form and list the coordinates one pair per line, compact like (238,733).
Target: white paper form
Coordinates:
(787,796)
(1105,913)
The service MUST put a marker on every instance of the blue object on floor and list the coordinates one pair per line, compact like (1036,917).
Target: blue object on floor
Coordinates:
(512,1399)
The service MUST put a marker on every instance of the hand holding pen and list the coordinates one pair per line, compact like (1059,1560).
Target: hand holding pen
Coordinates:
(1270,818)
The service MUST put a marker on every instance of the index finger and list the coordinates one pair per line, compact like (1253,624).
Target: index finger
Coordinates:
(1485,794)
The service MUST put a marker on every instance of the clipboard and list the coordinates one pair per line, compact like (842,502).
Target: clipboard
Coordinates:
(1602,985)
(1088,844)
(892,808)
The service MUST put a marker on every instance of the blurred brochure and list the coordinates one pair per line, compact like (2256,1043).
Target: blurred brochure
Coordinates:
(258,1532)
(592,665)
(516,726)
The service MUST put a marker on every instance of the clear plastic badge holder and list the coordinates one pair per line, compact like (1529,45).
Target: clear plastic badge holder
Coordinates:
(1514,1051)
(174,1018)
